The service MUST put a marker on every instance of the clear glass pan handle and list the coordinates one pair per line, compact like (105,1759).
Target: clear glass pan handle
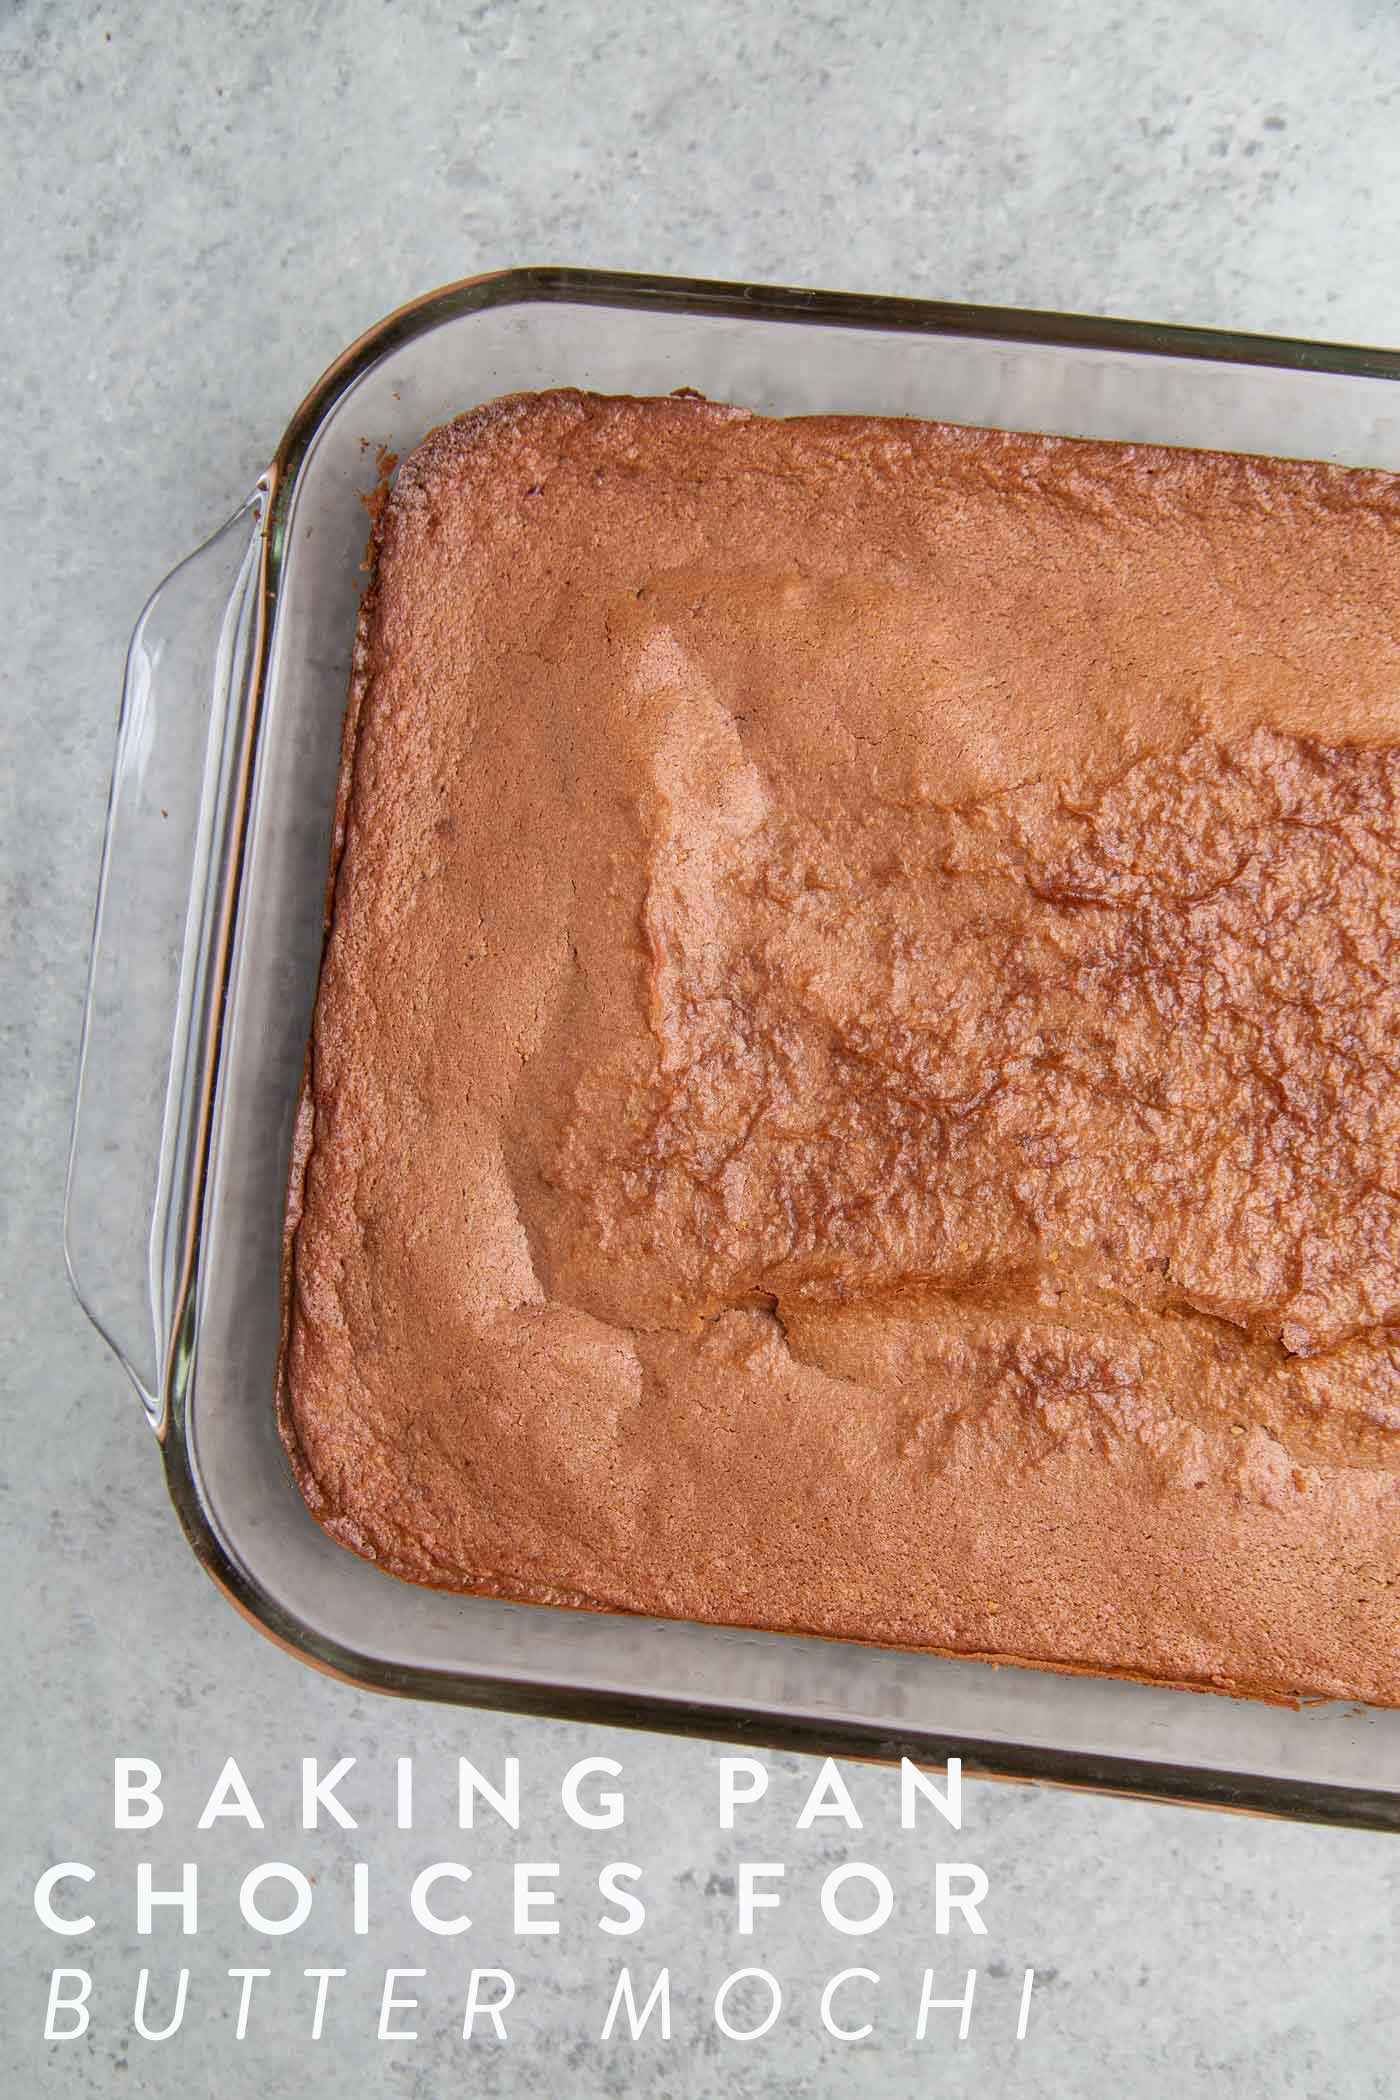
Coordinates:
(154,981)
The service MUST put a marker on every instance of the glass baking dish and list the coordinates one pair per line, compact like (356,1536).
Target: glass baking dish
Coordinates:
(207,945)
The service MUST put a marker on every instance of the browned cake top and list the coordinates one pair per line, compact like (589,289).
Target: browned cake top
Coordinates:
(856,1076)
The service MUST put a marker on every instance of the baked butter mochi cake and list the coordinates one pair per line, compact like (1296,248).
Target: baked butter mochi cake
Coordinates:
(855,1082)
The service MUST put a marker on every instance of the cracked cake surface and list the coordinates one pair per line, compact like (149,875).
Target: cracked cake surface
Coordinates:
(855,1081)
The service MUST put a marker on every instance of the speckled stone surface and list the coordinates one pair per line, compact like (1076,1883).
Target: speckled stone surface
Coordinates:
(206,204)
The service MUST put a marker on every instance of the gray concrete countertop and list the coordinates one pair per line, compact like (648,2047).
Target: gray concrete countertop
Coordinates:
(204,205)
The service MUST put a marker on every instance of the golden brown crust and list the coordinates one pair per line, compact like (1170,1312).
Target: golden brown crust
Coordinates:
(854,1081)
